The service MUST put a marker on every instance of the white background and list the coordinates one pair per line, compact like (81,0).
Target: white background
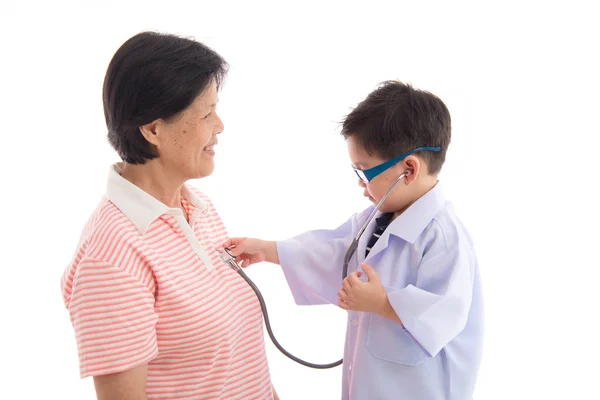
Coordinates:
(520,80)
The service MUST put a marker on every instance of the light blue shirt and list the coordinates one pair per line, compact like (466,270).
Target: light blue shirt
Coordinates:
(426,262)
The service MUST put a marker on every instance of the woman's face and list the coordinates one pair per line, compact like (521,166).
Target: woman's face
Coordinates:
(185,143)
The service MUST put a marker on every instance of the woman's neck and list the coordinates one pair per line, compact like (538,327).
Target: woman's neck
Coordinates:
(155,180)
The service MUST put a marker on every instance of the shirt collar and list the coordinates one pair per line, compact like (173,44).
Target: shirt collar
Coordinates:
(413,221)
(137,205)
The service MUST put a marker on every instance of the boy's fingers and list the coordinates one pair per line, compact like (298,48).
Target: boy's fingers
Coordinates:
(354,279)
(237,250)
(342,294)
(346,285)
(370,272)
(232,244)
(343,304)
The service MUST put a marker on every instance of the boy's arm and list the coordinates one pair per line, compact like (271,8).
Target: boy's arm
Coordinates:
(248,251)
(388,311)
(271,253)
(311,262)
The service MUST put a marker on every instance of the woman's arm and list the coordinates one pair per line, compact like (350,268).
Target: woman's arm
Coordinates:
(103,301)
(127,385)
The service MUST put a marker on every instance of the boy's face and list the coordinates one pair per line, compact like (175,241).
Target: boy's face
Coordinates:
(378,187)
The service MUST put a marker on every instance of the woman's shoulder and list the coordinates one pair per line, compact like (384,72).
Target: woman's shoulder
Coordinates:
(105,231)
(106,225)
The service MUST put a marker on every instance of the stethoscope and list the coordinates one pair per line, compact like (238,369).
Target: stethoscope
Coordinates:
(229,260)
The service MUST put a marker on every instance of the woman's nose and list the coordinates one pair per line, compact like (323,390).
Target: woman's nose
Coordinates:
(220,126)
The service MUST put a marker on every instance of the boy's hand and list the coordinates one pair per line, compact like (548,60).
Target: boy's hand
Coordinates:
(251,251)
(368,296)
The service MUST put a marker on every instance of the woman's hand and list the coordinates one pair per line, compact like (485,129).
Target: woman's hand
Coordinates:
(251,251)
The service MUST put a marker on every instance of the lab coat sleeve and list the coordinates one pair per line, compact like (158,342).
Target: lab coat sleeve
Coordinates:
(312,263)
(435,310)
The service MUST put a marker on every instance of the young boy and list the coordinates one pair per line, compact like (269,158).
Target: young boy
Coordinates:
(415,316)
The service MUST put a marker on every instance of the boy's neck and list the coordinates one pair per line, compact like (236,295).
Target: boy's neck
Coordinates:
(423,187)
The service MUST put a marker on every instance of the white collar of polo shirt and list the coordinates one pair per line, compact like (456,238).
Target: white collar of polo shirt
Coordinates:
(142,209)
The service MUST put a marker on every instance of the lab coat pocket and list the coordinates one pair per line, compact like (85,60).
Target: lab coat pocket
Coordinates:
(387,340)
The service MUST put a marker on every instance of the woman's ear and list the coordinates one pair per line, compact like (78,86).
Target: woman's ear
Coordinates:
(413,165)
(150,132)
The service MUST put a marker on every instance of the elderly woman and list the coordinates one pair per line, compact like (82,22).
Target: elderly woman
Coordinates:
(156,314)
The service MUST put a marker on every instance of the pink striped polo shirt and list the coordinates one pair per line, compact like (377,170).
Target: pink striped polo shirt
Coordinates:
(147,287)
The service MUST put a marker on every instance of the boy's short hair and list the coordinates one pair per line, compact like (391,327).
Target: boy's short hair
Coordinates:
(396,118)
(152,76)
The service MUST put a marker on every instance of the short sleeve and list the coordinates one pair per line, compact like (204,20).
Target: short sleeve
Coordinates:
(436,308)
(113,316)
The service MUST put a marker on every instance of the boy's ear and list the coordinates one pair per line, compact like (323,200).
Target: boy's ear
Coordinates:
(414,165)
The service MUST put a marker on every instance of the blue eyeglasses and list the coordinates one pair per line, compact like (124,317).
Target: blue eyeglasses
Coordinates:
(369,174)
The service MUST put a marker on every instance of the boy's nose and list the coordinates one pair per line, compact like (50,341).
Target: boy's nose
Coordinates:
(361,184)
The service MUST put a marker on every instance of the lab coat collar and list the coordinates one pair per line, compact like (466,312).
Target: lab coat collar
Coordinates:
(137,205)
(413,221)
